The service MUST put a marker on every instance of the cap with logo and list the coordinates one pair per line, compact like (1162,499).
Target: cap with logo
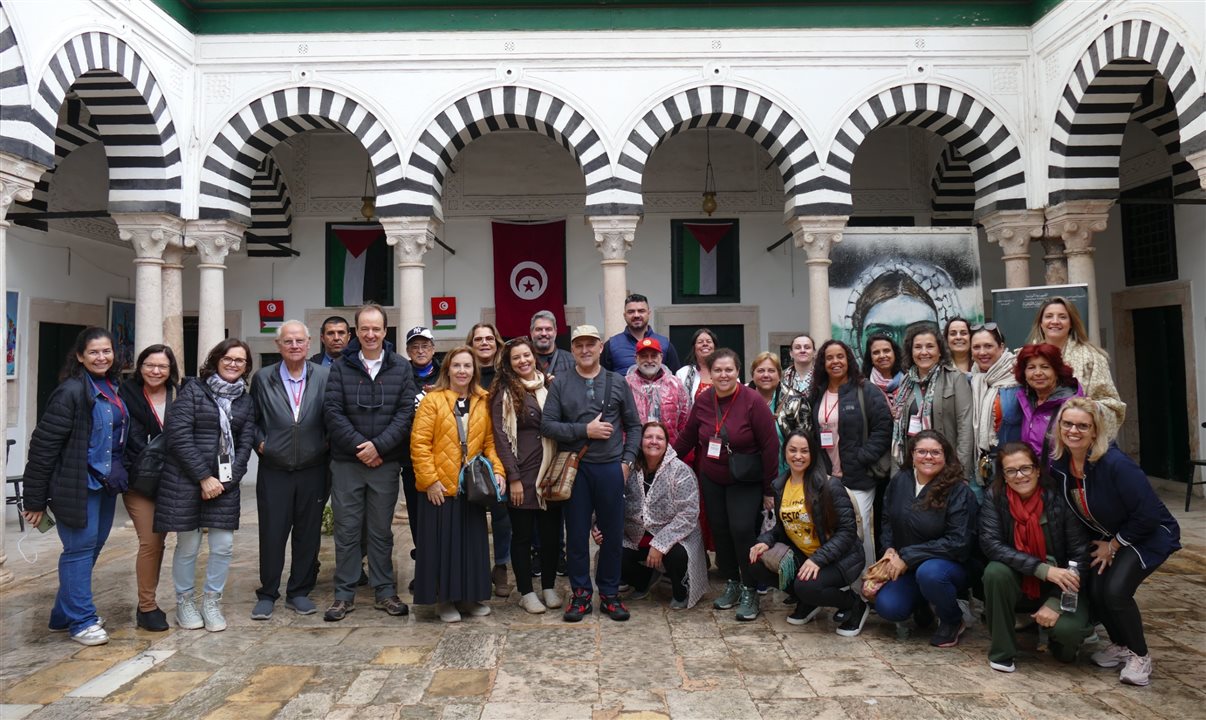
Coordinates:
(649,343)
(418,332)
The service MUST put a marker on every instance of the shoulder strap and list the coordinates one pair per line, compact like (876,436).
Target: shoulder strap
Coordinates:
(460,429)
(862,406)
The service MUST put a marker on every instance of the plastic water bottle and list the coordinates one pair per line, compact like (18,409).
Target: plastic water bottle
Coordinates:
(1068,600)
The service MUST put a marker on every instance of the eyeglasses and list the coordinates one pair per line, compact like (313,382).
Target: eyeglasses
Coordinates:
(233,362)
(293,342)
(1024,471)
(487,340)
(160,368)
(922,452)
(1079,427)
(376,395)
(421,346)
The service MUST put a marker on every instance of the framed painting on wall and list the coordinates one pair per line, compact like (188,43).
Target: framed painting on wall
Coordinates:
(121,324)
(12,308)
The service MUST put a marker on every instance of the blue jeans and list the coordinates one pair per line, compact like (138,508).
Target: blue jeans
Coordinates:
(598,493)
(73,607)
(184,561)
(936,581)
(500,528)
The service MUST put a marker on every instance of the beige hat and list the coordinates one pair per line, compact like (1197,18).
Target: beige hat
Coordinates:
(585,331)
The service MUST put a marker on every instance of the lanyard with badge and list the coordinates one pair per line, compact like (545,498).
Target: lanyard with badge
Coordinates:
(296,397)
(715,443)
(917,422)
(114,401)
(826,420)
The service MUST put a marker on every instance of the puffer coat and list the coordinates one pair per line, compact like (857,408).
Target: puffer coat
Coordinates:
(193,438)
(840,545)
(435,444)
(56,472)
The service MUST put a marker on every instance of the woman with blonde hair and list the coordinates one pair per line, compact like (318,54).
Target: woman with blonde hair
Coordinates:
(1058,323)
(452,565)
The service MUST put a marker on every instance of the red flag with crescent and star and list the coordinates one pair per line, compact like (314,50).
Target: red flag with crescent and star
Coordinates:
(529,273)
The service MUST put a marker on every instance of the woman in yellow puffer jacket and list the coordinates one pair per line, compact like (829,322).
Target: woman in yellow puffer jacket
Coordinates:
(452,563)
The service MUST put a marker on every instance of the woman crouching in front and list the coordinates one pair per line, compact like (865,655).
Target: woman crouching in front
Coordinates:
(452,566)
(661,523)
(928,538)
(1028,535)
(816,526)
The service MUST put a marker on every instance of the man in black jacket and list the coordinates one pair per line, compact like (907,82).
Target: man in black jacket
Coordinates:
(369,407)
(334,336)
(291,440)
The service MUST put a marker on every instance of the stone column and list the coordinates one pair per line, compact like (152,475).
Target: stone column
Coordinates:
(1198,161)
(213,241)
(149,234)
(411,237)
(816,235)
(1013,231)
(17,178)
(173,297)
(1055,262)
(1075,222)
(614,235)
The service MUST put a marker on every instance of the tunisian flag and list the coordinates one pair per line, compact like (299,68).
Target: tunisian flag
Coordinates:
(529,273)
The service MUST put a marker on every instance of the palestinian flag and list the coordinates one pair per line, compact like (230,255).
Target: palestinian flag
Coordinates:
(358,265)
(708,259)
(272,315)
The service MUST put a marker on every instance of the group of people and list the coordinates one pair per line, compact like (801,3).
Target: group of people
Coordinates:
(953,468)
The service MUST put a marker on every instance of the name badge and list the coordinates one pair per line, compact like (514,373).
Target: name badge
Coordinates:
(915,424)
(225,469)
(827,440)
(714,448)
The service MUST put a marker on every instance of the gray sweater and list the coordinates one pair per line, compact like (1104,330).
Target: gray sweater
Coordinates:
(567,412)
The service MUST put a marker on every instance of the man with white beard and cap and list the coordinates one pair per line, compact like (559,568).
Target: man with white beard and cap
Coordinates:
(659,395)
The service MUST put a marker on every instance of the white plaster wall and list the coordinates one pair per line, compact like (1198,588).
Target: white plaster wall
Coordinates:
(1191,264)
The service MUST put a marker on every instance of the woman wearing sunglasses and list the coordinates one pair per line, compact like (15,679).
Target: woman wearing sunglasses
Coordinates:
(1135,533)
(995,412)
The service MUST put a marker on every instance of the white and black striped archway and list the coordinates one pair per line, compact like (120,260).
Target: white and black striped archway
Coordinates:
(271,230)
(499,108)
(16,134)
(1156,110)
(973,131)
(74,131)
(723,106)
(1100,98)
(238,151)
(953,200)
(129,112)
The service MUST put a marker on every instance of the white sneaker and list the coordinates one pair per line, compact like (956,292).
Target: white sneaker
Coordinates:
(1138,670)
(99,621)
(211,612)
(473,609)
(1005,666)
(551,598)
(448,612)
(530,602)
(187,616)
(94,634)
(1111,656)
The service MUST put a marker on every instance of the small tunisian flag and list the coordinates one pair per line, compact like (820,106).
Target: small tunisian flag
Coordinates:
(529,273)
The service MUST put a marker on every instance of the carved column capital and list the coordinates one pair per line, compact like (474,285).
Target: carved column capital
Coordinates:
(614,235)
(148,233)
(213,240)
(1076,221)
(1198,161)
(1013,230)
(411,237)
(816,235)
(17,179)
(173,253)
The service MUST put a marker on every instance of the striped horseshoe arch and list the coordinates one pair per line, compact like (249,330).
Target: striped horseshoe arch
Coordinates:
(498,108)
(271,230)
(239,150)
(129,111)
(16,134)
(1099,99)
(1156,110)
(954,191)
(973,131)
(75,130)
(722,106)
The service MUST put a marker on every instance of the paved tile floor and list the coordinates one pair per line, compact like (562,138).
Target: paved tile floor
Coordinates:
(694,664)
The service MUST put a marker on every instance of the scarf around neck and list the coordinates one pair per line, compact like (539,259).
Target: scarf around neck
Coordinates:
(986,387)
(510,420)
(904,396)
(224,394)
(1028,533)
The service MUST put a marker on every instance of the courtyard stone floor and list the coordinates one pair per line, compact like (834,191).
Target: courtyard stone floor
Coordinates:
(694,664)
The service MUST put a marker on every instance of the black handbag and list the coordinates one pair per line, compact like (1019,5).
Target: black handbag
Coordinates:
(744,467)
(476,479)
(146,472)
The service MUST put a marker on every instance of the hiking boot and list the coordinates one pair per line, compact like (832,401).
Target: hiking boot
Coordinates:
(856,618)
(187,615)
(748,604)
(730,596)
(339,610)
(211,612)
(613,607)
(579,606)
(392,605)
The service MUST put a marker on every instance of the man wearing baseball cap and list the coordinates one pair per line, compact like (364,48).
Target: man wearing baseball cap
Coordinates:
(658,394)
(594,407)
(420,349)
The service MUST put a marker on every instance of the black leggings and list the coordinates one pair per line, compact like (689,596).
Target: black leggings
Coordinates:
(634,572)
(734,512)
(1113,596)
(827,589)
(524,524)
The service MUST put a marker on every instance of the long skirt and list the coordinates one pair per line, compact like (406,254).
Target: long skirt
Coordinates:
(452,560)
